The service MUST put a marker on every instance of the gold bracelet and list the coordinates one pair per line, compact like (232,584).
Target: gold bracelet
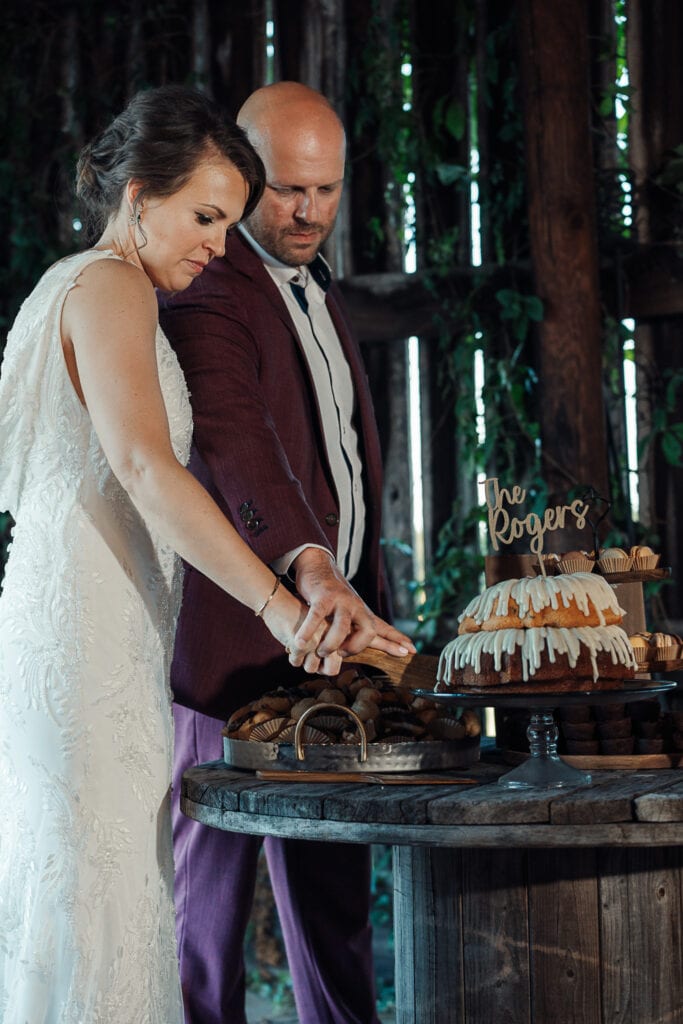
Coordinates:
(270,597)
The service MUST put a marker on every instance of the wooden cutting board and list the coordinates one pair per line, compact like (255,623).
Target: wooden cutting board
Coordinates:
(416,671)
(609,762)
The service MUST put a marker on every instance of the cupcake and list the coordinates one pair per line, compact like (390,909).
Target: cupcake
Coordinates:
(665,646)
(642,650)
(643,557)
(550,563)
(576,561)
(614,728)
(578,730)
(614,560)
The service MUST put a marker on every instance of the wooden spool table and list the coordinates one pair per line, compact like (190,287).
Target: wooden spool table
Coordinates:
(509,906)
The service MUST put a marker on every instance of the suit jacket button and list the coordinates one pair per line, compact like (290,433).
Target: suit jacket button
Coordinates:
(331,519)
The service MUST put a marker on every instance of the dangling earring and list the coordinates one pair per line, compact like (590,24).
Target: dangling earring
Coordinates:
(131,219)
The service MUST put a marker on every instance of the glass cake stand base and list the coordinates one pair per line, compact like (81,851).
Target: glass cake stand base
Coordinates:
(544,768)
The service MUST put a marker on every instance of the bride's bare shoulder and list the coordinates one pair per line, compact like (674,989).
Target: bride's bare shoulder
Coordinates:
(109,287)
(120,273)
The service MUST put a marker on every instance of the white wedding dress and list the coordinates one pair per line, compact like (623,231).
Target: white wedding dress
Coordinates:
(87,618)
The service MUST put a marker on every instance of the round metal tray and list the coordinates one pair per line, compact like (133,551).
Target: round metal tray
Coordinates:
(334,757)
(406,756)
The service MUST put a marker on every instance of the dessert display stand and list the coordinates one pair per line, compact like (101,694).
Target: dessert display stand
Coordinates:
(544,768)
(542,733)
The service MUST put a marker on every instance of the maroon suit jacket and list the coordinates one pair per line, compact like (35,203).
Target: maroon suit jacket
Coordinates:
(258,449)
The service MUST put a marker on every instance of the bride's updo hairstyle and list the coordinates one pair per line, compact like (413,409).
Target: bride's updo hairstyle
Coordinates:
(159,139)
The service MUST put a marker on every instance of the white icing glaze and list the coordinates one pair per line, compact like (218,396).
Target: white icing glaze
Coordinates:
(532,594)
(532,643)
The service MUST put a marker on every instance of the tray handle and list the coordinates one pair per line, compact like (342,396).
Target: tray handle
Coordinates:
(316,709)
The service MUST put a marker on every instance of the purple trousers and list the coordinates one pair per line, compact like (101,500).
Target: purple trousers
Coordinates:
(322,892)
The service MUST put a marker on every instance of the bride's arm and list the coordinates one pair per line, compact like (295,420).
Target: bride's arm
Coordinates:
(108,335)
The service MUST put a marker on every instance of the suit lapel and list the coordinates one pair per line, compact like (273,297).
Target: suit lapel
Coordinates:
(245,261)
(243,258)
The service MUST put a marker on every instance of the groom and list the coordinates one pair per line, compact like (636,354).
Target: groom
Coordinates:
(286,442)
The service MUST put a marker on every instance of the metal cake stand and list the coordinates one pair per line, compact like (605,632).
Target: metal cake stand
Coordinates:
(544,768)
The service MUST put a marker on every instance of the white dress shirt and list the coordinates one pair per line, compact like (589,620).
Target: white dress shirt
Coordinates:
(336,400)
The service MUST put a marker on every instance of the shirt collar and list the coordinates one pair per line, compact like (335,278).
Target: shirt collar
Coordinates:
(318,272)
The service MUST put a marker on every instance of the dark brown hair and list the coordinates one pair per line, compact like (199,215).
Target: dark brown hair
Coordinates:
(158,140)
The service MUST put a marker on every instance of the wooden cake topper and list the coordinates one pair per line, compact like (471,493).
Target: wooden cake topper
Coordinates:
(504,527)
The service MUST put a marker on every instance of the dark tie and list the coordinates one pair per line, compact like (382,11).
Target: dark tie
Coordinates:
(300,295)
(320,273)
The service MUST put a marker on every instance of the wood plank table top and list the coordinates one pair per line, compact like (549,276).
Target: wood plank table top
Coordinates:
(522,906)
(619,809)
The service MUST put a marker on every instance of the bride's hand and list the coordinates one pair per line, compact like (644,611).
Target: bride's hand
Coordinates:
(284,616)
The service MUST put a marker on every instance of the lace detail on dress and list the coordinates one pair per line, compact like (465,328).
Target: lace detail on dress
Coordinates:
(87,619)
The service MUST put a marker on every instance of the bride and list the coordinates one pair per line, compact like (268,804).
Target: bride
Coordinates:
(95,430)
